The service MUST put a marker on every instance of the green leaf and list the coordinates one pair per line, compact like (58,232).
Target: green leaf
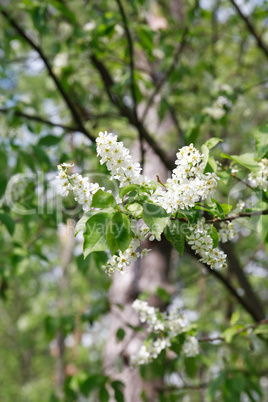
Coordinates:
(146,37)
(155,217)
(190,366)
(214,235)
(205,152)
(49,140)
(212,142)
(226,208)
(102,199)
(234,318)
(8,222)
(118,390)
(120,334)
(118,233)
(95,233)
(103,394)
(175,233)
(132,187)
(229,333)
(90,383)
(261,138)
(262,330)
(135,209)
(246,160)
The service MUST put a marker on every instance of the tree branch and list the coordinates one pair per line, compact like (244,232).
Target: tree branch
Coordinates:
(61,90)
(168,72)
(228,286)
(126,112)
(238,332)
(251,29)
(39,119)
(239,215)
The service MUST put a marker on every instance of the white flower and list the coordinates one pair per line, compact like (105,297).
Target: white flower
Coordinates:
(119,161)
(260,178)
(190,347)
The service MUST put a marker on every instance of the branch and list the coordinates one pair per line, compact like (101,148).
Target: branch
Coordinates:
(168,72)
(126,112)
(242,181)
(238,332)
(132,75)
(39,119)
(239,215)
(227,285)
(251,29)
(61,90)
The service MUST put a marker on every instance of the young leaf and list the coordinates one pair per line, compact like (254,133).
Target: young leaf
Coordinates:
(155,217)
(118,234)
(261,138)
(8,222)
(205,152)
(95,233)
(246,160)
(175,234)
(214,235)
(135,209)
(212,142)
(102,199)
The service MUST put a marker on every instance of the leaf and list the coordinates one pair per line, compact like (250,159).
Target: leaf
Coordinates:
(90,383)
(120,334)
(190,366)
(214,235)
(102,199)
(246,160)
(175,233)
(8,222)
(261,138)
(118,387)
(212,142)
(205,152)
(262,330)
(49,140)
(118,233)
(95,233)
(229,333)
(234,318)
(103,394)
(155,217)
(135,209)
(226,208)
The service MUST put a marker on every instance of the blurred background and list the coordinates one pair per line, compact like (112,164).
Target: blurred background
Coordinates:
(161,74)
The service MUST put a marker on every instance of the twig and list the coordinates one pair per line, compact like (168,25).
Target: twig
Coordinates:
(61,90)
(239,215)
(168,72)
(227,285)
(242,181)
(132,74)
(251,29)
(238,332)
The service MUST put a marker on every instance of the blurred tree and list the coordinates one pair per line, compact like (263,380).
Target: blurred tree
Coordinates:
(161,74)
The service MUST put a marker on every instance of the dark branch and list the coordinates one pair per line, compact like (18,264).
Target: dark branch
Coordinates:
(251,29)
(126,112)
(228,286)
(61,90)
(168,72)
(39,119)
(240,215)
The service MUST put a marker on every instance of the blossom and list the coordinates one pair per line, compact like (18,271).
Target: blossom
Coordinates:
(260,178)
(119,161)
(229,229)
(200,241)
(80,186)
(190,347)
(166,326)
(188,183)
(219,107)
(124,259)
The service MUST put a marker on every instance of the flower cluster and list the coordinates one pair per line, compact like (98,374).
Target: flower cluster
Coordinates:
(80,186)
(120,262)
(229,229)
(219,107)
(260,179)
(166,326)
(119,161)
(201,241)
(188,184)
